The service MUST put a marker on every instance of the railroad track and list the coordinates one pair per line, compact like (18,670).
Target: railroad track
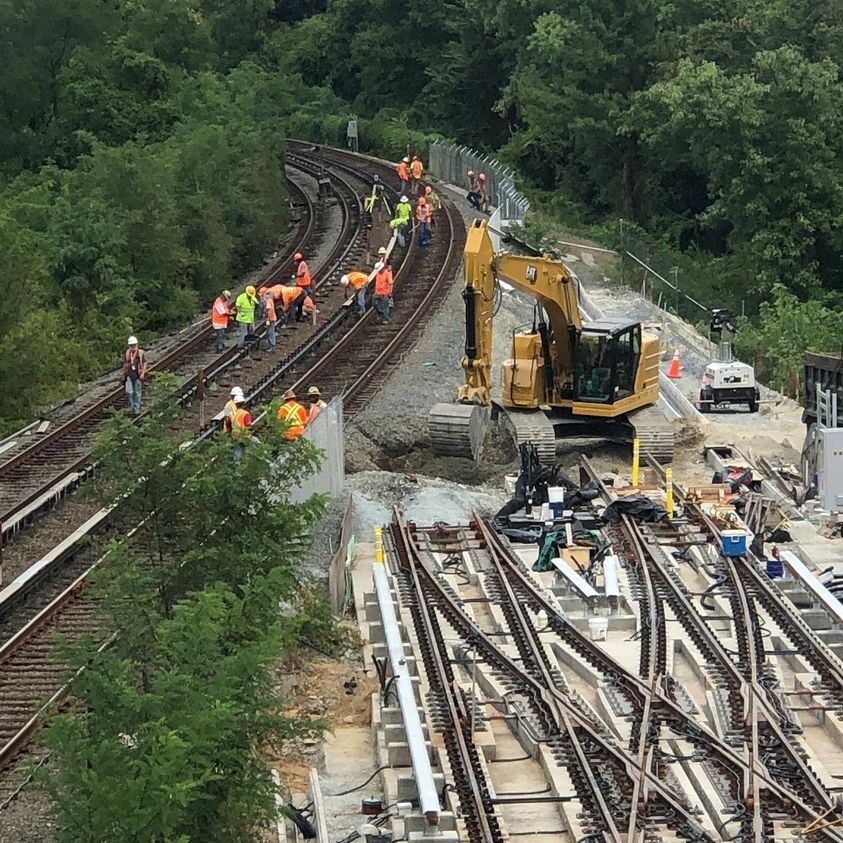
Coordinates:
(348,353)
(777,773)
(657,769)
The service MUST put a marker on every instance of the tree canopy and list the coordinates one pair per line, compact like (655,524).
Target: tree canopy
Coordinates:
(140,142)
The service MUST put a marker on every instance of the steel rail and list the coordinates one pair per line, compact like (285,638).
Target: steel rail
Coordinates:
(746,692)
(476,803)
(49,613)
(539,691)
(638,691)
(12,516)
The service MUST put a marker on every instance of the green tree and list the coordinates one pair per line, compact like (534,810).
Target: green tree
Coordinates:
(163,740)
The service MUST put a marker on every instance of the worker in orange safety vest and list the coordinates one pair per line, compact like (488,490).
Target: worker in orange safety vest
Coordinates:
(293,414)
(303,277)
(220,313)
(416,172)
(383,290)
(316,403)
(434,203)
(403,171)
(355,282)
(423,219)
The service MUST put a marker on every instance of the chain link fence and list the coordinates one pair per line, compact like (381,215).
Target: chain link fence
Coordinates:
(326,432)
(451,163)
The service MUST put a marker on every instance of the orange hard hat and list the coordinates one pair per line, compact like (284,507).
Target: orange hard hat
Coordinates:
(262,290)
(290,393)
(298,256)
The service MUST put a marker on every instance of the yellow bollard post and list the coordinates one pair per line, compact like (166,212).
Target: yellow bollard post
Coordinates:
(668,491)
(379,545)
(636,454)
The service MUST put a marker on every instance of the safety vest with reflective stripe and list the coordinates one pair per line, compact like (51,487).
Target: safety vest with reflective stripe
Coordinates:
(315,409)
(417,169)
(240,419)
(403,212)
(295,415)
(403,173)
(220,312)
(246,305)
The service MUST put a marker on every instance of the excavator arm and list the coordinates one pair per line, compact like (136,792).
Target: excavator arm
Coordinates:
(547,280)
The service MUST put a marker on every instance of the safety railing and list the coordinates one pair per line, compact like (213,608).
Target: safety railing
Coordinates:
(451,163)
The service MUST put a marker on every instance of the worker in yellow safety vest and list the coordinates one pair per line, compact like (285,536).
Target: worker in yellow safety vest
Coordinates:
(236,420)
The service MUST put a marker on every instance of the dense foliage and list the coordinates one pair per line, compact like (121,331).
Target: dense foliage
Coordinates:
(162,740)
(139,143)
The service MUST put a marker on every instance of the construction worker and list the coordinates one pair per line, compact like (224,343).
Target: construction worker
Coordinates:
(314,396)
(236,420)
(244,308)
(220,313)
(288,297)
(401,220)
(270,316)
(423,219)
(416,172)
(473,190)
(383,290)
(484,193)
(293,414)
(134,374)
(434,203)
(403,174)
(303,278)
(308,308)
(357,281)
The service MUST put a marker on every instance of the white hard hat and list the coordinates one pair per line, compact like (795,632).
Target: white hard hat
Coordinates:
(382,250)
(406,159)
(404,199)
(239,398)
(236,390)
(378,266)
(344,281)
(133,340)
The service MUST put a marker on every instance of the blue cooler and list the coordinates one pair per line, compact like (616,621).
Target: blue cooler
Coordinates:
(734,542)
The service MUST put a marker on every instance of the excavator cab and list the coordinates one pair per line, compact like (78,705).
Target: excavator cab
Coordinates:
(606,355)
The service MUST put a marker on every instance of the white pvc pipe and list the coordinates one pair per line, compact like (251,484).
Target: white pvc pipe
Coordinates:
(422,771)
(610,576)
(804,575)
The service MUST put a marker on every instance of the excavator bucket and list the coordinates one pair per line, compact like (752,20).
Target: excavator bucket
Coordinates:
(458,430)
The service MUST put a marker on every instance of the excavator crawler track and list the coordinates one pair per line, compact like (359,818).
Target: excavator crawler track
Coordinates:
(654,433)
(458,430)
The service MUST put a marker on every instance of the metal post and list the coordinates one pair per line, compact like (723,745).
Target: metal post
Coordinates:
(668,491)
(473,689)
(675,272)
(200,394)
(636,447)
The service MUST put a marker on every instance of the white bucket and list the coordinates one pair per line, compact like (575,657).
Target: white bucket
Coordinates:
(556,500)
(598,627)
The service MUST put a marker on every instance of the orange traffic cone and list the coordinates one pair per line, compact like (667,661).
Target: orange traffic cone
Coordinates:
(674,370)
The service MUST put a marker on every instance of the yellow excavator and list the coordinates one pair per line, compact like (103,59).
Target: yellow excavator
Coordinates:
(563,377)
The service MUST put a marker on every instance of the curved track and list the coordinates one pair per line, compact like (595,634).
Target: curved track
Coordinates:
(347,354)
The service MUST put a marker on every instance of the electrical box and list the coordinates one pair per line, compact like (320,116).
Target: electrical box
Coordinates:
(830,467)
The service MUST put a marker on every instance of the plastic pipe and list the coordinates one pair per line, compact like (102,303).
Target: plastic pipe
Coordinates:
(419,757)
